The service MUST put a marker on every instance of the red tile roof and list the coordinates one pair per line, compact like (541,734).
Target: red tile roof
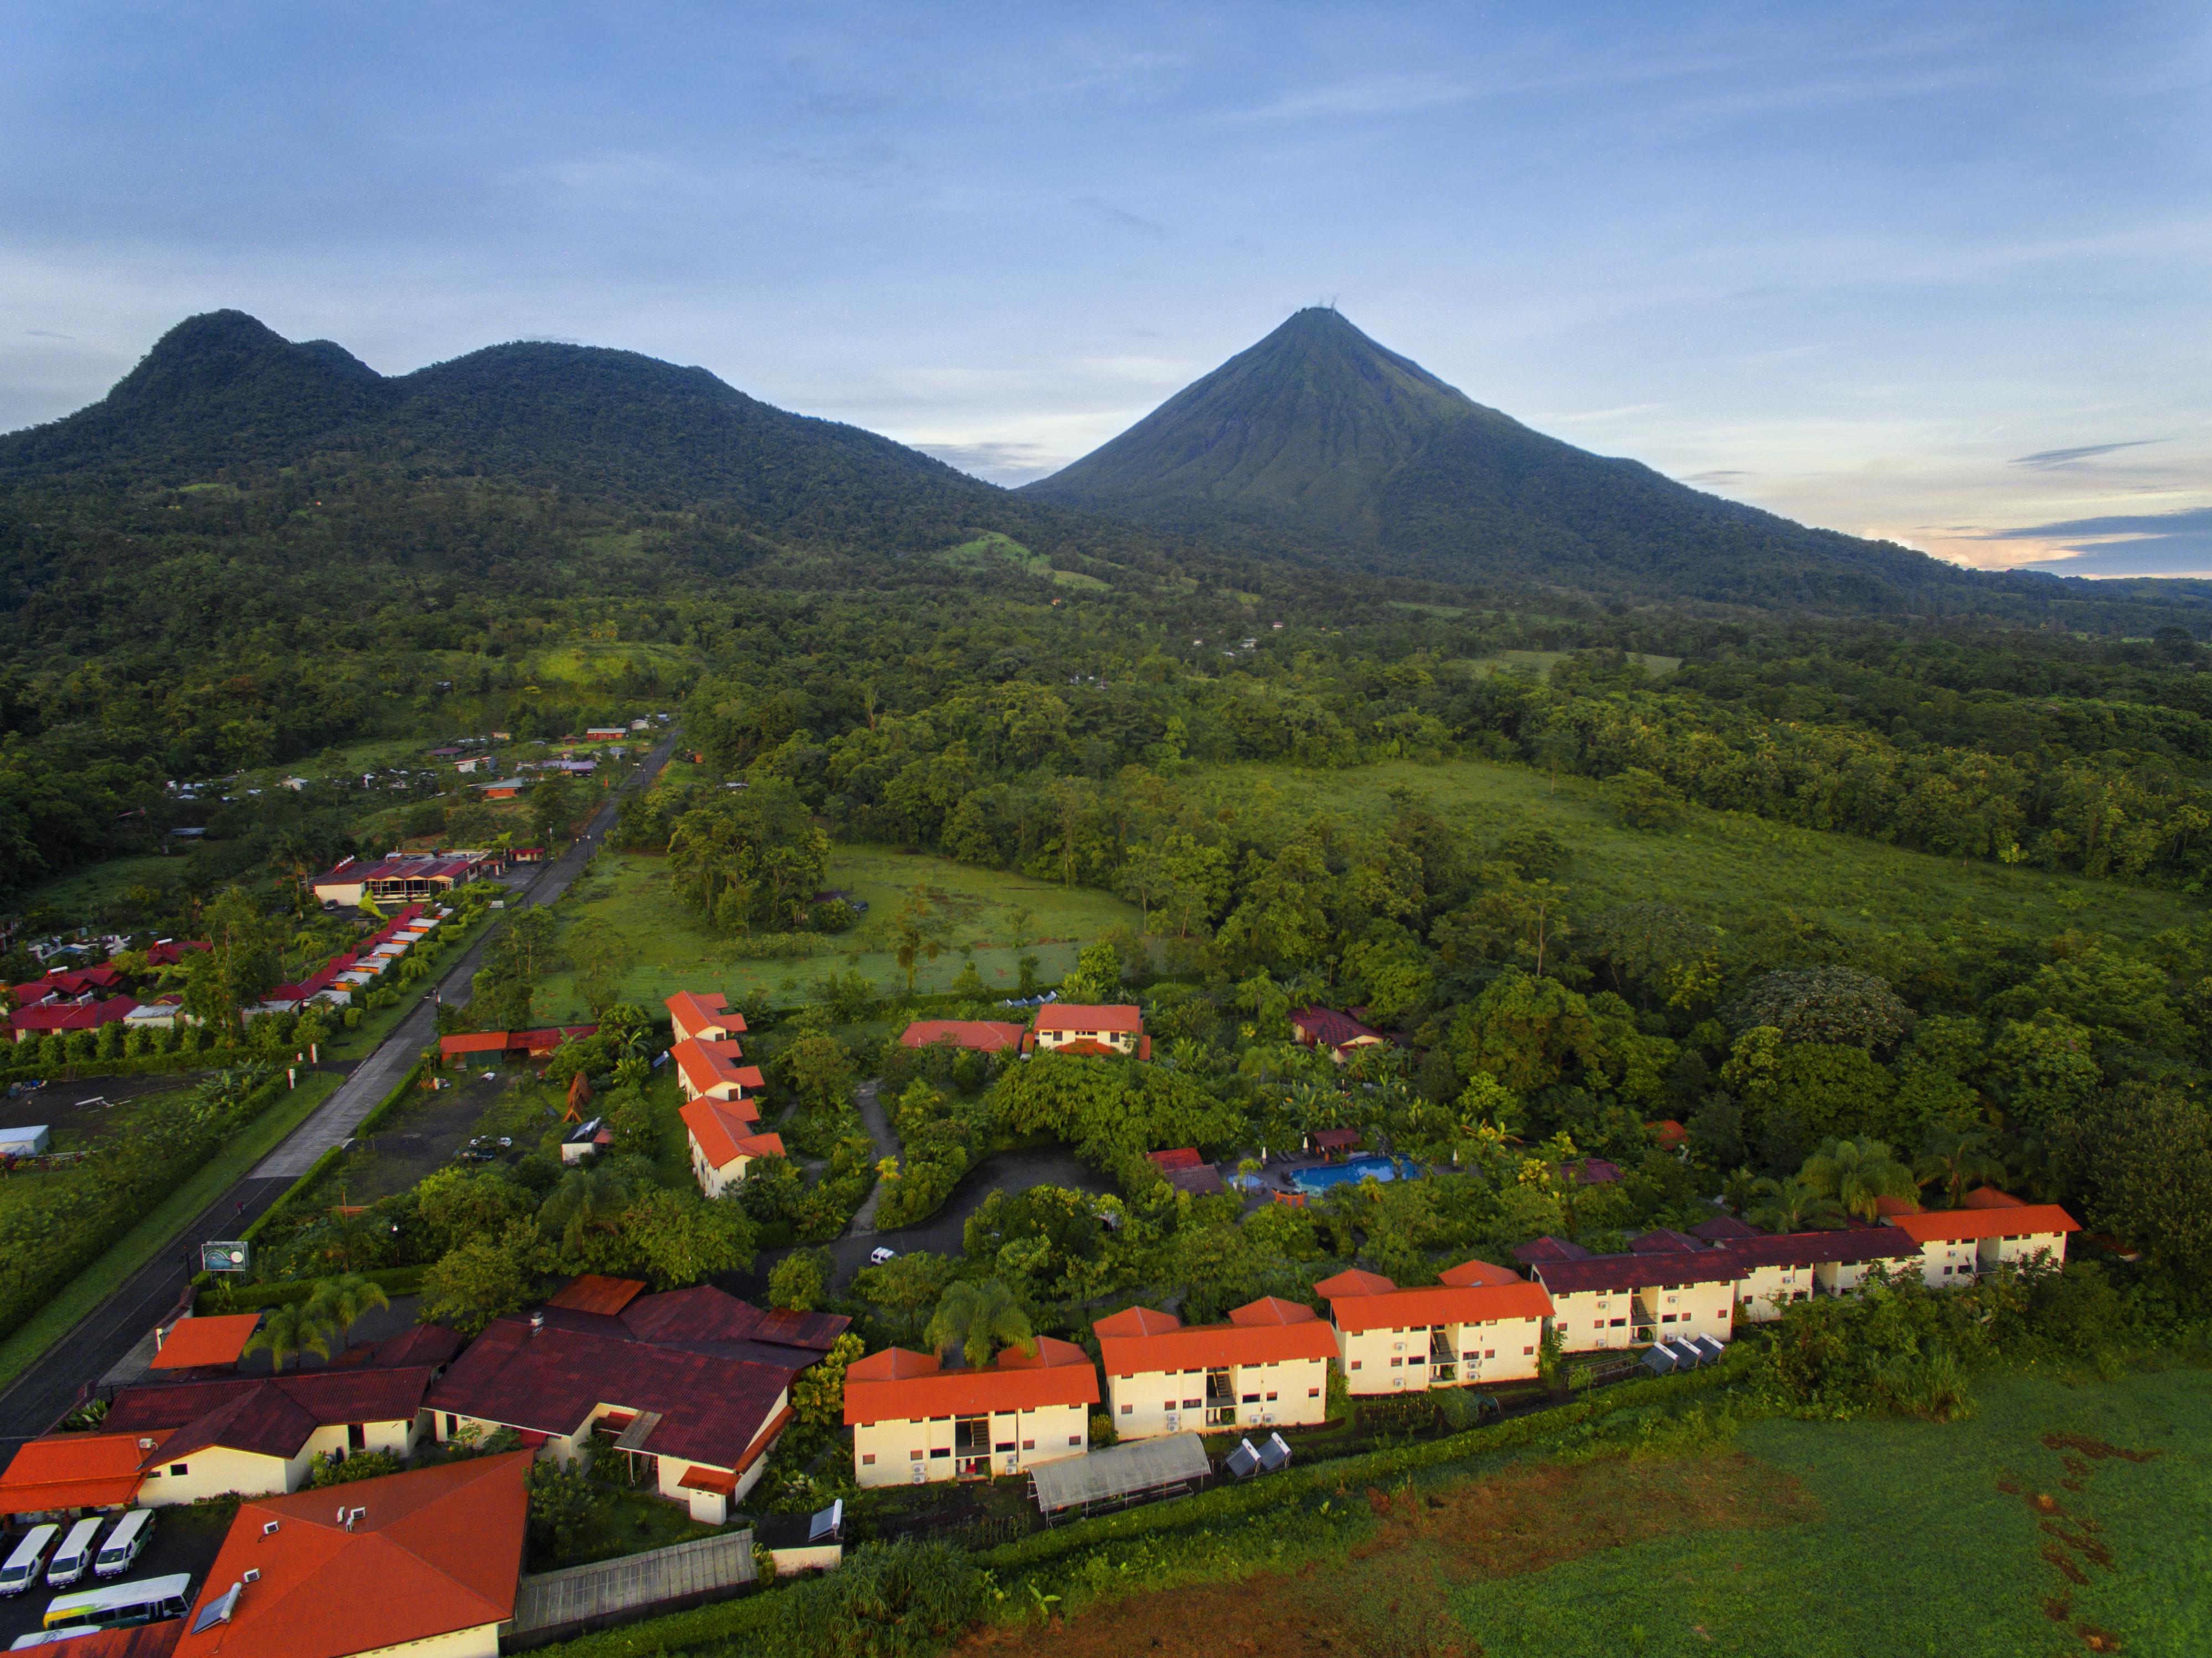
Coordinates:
(1721,1228)
(1354,1282)
(591,1293)
(1274,1309)
(694,1010)
(712,1366)
(1988,1197)
(1200,1345)
(1478,1272)
(1078,1015)
(708,1065)
(72,1471)
(1336,1139)
(725,1133)
(1959,1225)
(1672,1134)
(196,1341)
(472,1042)
(436,1550)
(268,1416)
(1630,1272)
(1445,1304)
(882,1387)
(1330,1029)
(1184,1157)
(1665,1241)
(1844,1246)
(1131,1321)
(76,1016)
(433,1344)
(130,1641)
(984,1036)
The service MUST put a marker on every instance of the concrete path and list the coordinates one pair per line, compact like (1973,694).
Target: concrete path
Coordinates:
(879,1130)
(51,1386)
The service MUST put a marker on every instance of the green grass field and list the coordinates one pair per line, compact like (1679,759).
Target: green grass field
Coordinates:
(975,907)
(1731,869)
(2062,1517)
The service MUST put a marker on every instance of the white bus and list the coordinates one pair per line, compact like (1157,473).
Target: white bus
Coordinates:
(29,1560)
(75,1555)
(118,1604)
(120,1551)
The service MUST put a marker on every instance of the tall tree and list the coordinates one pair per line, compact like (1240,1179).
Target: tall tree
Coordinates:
(979,1317)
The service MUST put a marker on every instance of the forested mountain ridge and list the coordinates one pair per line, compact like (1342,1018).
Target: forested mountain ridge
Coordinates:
(1320,441)
(222,391)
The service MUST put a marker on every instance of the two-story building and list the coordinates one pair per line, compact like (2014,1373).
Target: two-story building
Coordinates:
(709,1069)
(698,1015)
(1482,1324)
(726,1142)
(1075,1027)
(1989,1231)
(915,1421)
(1268,1367)
(1780,1269)
(691,1387)
(1667,1285)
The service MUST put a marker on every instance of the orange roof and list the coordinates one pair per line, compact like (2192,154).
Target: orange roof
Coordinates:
(472,1042)
(129,1641)
(702,1479)
(1671,1134)
(1058,1373)
(1201,1346)
(1136,1321)
(74,1471)
(1886,1206)
(692,1011)
(724,1131)
(1478,1272)
(1077,1015)
(1274,1309)
(193,1341)
(1988,1197)
(1444,1304)
(1958,1225)
(985,1035)
(435,1550)
(1355,1283)
(590,1293)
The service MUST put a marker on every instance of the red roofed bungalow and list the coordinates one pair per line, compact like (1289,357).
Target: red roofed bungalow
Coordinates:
(1340,1033)
(463,1044)
(1672,1135)
(915,1421)
(1267,1367)
(66,1017)
(705,1069)
(64,1471)
(170,951)
(724,1145)
(1393,1341)
(697,1014)
(1080,1028)
(984,1036)
(425,1560)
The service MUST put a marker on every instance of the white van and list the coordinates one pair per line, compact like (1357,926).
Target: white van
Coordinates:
(120,1551)
(29,1560)
(74,1555)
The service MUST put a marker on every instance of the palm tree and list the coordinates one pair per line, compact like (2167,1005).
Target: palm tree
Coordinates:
(1956,1158)
(1790,1206)
(1858,1174)
(587,1200)
(979,1318)
(289,1331)
(344,1301)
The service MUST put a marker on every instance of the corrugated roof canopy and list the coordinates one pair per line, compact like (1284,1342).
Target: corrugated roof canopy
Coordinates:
(1124,1472)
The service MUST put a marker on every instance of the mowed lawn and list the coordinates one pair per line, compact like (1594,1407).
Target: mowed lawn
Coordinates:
(2060,1518)
(973,909)
(1728,868)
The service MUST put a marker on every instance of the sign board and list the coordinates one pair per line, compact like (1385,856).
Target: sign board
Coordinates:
(225,1257)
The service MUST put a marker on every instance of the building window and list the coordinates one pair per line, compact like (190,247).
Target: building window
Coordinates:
(356,1436)
(451,1426)
(1313,1393)
(1128,1410)
(1490,1353)
(178,1470)
(1029,1444)
(1192,1404)
(1075,1439)
(867,1459)
(1395,1363)
(916,1455)
(1250,1399)
(1525,1351)
(1271,1399)
(1003,1445)
(934,1452)
(1355,1364)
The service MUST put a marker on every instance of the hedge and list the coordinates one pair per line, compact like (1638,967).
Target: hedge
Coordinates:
(144,1065)
(395,1281)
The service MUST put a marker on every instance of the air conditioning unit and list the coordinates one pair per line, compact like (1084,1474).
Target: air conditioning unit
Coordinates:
(920,1474)
(1267,1418)
(1174,1422)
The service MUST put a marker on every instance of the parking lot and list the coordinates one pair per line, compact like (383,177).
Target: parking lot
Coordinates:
(184,1540)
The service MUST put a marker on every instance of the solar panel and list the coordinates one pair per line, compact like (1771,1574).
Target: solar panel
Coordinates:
(218,1609)
(1660,1360)
(1710,1347)
(826,1523)
(1686,1355)
(1243,1461)
(1274,1454)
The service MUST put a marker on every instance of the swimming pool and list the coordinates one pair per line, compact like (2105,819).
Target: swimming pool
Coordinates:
(1319,1179)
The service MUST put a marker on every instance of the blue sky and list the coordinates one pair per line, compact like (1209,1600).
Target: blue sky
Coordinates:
(1941,273)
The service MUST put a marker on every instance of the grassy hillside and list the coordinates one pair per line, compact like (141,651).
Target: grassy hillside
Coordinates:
(1735,871)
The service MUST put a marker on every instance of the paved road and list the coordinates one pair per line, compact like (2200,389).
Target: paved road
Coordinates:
(50,1387)
(879,1131)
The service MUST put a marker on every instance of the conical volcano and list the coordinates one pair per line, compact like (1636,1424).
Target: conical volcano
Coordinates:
(1321,443)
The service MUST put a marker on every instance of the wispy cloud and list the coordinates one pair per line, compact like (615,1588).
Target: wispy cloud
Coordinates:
(1721,477)
(2047,460)
(1121,215)
(1006,463)
(46,334)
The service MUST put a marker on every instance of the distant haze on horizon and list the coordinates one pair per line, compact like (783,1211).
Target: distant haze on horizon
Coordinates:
(1940,275)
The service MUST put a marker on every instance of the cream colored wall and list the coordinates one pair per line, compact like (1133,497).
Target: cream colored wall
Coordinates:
(557,1448)
(893,1442)
(1120,1041)
(1509,1348)
(213,1472)
(1139,1403)
(481,1642)
(2019,1251)
(1944,1266)
(1585,1319)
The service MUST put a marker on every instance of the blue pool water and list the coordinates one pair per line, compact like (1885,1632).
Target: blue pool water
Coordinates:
(1336,1174)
